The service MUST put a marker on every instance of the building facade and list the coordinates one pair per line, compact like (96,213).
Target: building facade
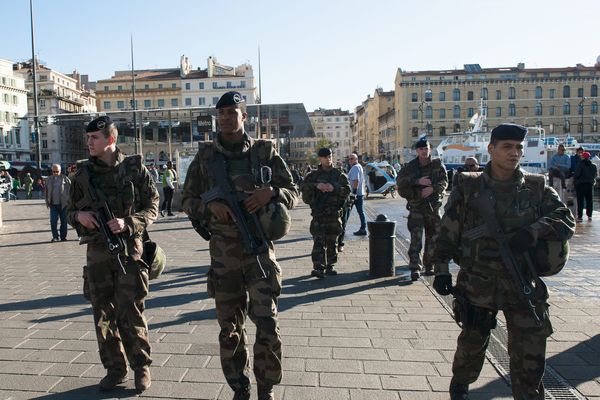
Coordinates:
(564,101)
(14,141)
(334,125)
(372,143)
(59,95)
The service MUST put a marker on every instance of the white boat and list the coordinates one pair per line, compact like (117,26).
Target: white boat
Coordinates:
(537,148)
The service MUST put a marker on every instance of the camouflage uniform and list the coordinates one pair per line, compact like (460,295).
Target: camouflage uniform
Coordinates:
(117,299)
(234,272)
(326,225)
(485,281)
(423,213)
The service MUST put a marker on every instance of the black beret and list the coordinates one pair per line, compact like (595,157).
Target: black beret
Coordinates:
(99,124)
(230,99)
(421,143)
(324,152)
(509,132)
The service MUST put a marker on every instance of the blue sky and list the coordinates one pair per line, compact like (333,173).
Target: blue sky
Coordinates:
(323,53)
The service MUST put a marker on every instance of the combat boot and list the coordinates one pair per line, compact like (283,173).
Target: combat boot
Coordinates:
(330,270)
(265,393)
(242,394)
(459,391)
(414,274)
(112,379)
(142,378)
(318,273)
(428,270)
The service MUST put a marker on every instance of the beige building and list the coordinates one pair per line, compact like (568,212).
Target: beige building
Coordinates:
(14,138)
(371,141)
(334,125)
(564,101)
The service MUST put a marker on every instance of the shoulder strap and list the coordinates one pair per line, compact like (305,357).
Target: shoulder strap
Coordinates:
(537,184)
(260,153)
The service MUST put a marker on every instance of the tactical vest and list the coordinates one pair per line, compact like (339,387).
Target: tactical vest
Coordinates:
(549,256)
(410,192)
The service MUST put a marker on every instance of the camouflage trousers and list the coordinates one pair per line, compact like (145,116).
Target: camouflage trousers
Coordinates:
(526,349)
(325,230)
(118,305)
(243,285)
(420,219)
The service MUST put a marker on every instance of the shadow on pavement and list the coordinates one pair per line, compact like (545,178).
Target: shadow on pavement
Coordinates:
(91,392)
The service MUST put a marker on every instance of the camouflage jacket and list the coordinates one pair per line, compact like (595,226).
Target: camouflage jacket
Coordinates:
(323,203)
(483,275)
(243,170)
(411,172)
(129,191)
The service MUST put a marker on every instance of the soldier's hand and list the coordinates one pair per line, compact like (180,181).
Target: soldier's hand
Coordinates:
(87,219)
(328,187)
(424,181)
(258,199)
(321,186)
(443,284)
(521,241)
(221,211)
(426,192)
(117,225)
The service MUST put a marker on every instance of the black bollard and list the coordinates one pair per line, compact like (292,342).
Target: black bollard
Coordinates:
(382,233)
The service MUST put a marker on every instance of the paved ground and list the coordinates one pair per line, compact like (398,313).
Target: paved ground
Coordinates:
(349,337)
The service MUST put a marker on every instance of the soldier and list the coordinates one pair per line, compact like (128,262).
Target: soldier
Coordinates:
(117,283)
(235,272)
(422,183)
(326,191)
(528,215)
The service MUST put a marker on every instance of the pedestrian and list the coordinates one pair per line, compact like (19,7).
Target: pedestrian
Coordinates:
(118,283)
(57,199)
(28,185)
(471,165)
(39,187)
(169,178)
(325,190)
(243,283)
(585,179)
(526,215)
(8,184)
(356,177)
(575,158)
(422,183)
(559,166)
(153,172)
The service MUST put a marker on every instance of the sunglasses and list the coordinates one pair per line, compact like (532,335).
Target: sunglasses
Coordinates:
(471,165)
(56,172)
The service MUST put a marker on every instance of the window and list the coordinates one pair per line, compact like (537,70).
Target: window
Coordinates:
(147,103)
(442,96)
(498,95)
(173,86)
(146,86)
(498,111)
(484,93)
(119,88)
(428,95)
(580,108)
(106,105)
(580,92)
(415,114)
(215,85)
(566,91)
(215,100)
(161,103)
(594,107)
(470,95)
(414,97)
(456,94)
(594,127)
(538,92)
(594,91)
(428,112)
(566,126)
(551,110)
(442,131)
(120,104)
(228,84)
(512,110)
(456,127)
(188,101)
(188,86)
(429,128)
(442,113)
(200,85)
(538,108)
(201,101)
(512,93)
(174,102)
(566,108)
(160,85)
(43,103)
(552,93)
(106,88)
(470,112)
(414,131)
(456,113)
(242,84)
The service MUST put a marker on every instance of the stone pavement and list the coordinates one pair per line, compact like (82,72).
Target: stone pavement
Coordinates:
(350,337)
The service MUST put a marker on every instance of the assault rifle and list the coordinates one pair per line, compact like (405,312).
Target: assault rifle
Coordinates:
(491,228)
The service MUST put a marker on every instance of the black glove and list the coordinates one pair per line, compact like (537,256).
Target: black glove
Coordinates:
(443,284)
(521,241)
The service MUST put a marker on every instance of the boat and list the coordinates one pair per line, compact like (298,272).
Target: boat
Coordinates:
(537,147)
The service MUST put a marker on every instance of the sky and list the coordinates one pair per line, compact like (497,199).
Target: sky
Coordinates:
(323,53)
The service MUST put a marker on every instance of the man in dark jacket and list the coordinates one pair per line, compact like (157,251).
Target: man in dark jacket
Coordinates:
(585,179)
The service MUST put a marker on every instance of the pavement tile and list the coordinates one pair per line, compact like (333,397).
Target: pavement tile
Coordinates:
(318,393)
(361,381)
(319,365)
(405,382)
(350,353)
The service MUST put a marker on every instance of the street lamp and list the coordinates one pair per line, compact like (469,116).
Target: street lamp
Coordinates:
(36,125)
(581,111)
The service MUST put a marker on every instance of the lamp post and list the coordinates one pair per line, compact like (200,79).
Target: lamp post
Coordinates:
(581,111)
(36,122)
